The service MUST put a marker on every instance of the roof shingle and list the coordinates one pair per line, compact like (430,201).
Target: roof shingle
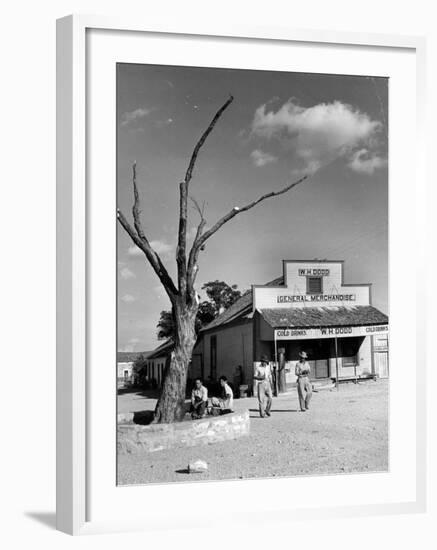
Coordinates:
(323,316)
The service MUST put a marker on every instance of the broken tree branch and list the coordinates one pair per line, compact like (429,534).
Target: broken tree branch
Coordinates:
(203,137)
(140,239)
(136,212)
(151,255)
(200,241)
(181,256)
(192,260)
(199,209)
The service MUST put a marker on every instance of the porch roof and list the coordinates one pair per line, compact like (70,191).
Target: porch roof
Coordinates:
(314,317)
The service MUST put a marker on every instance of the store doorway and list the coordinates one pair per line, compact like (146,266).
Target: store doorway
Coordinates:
(381,364)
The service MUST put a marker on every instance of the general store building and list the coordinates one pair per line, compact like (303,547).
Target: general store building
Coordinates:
(309,308)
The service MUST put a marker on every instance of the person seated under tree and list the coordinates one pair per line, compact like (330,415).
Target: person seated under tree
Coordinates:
(224,403)
(227,395)
(199,399)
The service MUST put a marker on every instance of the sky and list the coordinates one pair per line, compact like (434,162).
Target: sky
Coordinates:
(280,126)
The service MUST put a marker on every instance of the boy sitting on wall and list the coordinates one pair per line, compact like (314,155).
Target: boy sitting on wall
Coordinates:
(224,403)
(199,400)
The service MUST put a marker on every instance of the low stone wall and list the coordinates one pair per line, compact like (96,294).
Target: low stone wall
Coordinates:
(135,438)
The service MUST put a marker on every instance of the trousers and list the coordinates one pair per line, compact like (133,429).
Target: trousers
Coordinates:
(198,409)
(304,391)
(264,394)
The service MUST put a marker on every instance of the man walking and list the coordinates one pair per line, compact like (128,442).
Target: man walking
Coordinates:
(304,388)
(262,374)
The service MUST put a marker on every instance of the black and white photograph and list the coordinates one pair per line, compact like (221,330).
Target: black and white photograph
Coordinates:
(217,279)
(252,274)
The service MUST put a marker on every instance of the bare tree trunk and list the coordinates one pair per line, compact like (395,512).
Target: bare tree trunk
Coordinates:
(184,299)
(171,404)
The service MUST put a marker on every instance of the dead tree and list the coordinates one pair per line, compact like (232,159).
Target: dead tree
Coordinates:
(183,296)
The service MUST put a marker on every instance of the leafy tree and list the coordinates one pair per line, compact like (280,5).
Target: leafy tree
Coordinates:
(205,314)
(139,369)
(166,325)
(220,297)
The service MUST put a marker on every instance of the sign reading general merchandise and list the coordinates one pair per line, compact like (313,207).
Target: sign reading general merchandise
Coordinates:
(329,332)
(291,298)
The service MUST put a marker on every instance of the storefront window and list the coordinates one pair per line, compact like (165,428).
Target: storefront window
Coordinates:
(314,285)
(350,361)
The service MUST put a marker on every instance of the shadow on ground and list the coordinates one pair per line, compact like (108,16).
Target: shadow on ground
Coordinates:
(275,411)
(45,518)
(143,417)
(149,394)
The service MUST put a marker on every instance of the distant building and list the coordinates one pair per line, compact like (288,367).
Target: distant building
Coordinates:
(124,373)
(310,309)
(156,361)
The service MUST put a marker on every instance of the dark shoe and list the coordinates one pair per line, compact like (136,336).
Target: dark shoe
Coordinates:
(267,413)
(262,415)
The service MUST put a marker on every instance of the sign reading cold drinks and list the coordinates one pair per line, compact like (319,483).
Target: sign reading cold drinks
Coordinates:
(329,332)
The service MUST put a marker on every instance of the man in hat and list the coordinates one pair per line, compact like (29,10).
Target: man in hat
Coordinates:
(263,375)
(304,388)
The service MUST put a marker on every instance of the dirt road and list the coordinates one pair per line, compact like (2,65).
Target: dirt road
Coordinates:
(344,431)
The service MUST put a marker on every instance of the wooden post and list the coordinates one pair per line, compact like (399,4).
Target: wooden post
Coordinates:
(281,370)
(276,391)
(336,364)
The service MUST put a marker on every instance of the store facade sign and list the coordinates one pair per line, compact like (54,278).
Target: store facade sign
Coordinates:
(329,332)
(295,291)
(308,272)
(292,298)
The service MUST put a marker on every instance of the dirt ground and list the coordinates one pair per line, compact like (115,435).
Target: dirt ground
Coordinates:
(344,431)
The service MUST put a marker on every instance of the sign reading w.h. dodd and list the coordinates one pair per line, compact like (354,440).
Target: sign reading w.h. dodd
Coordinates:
(329,332)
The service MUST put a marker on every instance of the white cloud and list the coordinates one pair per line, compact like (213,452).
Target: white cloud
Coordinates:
(365,162)
(130,116)
(161,247)
(128,298)
(318,134)
(126,273)
(135,251)
(260,158)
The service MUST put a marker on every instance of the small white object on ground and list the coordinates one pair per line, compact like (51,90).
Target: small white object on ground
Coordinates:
(197,467)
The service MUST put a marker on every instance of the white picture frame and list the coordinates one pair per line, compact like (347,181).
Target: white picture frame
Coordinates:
(73,393)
